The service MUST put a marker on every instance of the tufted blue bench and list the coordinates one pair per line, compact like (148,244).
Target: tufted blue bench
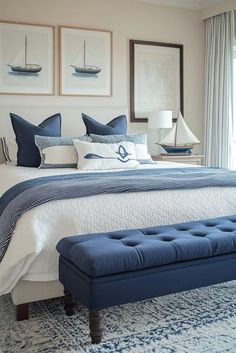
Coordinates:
(107,269)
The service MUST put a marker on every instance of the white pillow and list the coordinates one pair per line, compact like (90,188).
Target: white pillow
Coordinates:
(142,152)
(106,156)
(59,156)
(140,144)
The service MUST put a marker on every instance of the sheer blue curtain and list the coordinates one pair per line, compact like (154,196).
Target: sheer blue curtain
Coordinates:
(219,90)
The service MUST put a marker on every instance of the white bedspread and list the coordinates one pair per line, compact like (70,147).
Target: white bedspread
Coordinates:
(31,254)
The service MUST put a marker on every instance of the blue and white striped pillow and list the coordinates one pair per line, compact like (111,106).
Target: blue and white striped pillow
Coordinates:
(8,150)
(3,150)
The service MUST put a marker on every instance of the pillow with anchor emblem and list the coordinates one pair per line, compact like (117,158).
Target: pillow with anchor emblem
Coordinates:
(102,156)
(139,141)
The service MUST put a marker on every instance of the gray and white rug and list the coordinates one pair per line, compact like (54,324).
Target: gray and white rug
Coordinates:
(202,320)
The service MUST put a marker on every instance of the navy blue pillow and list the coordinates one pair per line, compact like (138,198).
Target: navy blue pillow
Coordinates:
(28,153)
(117,126)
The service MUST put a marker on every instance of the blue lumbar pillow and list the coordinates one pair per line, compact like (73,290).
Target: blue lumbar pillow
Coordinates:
(28,153)
(117,126)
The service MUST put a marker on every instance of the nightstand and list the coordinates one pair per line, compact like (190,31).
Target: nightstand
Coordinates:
(187,159)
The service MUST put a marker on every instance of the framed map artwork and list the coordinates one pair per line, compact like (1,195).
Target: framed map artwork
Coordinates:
(156,78)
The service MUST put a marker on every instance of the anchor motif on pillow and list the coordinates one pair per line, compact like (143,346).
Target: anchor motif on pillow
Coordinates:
(122,153)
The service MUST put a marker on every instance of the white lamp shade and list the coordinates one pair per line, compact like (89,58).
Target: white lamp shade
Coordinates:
(160,119)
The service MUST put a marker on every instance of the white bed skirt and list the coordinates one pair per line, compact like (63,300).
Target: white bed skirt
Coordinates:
(29,291)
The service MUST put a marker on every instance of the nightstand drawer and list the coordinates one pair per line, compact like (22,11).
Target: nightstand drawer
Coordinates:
(187,159)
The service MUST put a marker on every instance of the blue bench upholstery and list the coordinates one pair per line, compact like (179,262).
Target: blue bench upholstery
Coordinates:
(113,268)
(129,250)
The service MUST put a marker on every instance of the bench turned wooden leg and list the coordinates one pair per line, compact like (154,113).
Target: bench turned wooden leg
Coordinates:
(22,312)
(95,326)
(69,303)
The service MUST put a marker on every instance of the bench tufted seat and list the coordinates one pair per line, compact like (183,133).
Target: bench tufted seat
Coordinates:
(113,268)
(129,250)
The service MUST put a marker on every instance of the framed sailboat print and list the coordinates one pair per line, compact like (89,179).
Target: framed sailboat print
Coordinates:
(156,78)
(26,58)
(85,62)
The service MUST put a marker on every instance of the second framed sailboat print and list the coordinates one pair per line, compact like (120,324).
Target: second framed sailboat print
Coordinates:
(85,62)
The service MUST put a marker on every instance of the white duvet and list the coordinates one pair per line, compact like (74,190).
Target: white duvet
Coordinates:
(31,254)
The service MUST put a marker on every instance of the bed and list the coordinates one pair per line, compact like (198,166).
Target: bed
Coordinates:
(29,268)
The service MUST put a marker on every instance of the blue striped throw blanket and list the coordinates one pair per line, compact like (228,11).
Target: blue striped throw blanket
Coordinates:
(32,193)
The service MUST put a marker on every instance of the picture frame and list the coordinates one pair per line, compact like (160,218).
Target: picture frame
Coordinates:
(85,62)
(27,58)
(156,78)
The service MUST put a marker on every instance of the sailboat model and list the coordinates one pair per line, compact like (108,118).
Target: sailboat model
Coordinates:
(86,69)
(180,138)
(26,68)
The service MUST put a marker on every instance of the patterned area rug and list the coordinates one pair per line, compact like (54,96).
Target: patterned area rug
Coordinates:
(202,320)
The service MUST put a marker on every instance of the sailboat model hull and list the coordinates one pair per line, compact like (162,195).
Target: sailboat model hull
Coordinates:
(178,149)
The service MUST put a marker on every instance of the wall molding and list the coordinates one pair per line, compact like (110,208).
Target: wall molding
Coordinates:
(223,6)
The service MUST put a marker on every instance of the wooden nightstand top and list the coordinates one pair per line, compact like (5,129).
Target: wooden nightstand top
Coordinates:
(184,158)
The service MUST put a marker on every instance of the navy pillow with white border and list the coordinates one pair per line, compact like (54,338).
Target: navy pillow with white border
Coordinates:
(117,126)
(28,153)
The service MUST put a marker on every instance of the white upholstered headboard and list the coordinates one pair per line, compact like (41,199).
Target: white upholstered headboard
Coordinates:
(72,124)
(35,111)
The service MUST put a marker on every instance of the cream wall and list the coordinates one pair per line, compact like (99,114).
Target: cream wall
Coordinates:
(127,19)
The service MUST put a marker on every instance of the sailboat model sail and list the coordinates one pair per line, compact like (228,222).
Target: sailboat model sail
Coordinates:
(86,69)
(180,138)
(26,68)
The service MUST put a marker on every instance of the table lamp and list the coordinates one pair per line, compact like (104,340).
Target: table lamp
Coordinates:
(160,119)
